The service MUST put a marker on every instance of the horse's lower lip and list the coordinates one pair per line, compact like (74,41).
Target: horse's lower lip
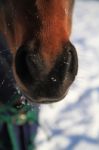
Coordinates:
(43,100)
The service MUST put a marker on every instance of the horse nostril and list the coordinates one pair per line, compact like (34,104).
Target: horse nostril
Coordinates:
(21,68)
(29,65)
(72,59)
(67,60)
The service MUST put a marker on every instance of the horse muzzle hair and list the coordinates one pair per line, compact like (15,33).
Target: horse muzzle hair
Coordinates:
(44,62)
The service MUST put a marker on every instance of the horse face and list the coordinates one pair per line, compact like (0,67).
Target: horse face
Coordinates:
(45,62)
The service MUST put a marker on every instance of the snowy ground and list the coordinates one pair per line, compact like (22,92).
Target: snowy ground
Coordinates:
(73,124)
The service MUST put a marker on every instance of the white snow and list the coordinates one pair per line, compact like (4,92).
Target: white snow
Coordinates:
(73,124)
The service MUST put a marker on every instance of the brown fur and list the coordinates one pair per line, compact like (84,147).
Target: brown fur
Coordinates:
(28,21)
(56,24)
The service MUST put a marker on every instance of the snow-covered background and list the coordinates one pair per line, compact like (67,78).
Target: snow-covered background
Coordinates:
(73,124)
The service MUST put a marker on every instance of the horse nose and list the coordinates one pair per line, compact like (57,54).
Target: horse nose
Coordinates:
(47,87)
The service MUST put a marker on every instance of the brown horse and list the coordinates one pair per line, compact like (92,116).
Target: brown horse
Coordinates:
(37,32)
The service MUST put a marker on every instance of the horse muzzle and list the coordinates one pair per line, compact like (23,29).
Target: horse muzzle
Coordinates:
(42,86)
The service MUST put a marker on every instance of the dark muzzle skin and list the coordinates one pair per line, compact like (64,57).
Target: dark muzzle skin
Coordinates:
(44,61)
(49,87)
